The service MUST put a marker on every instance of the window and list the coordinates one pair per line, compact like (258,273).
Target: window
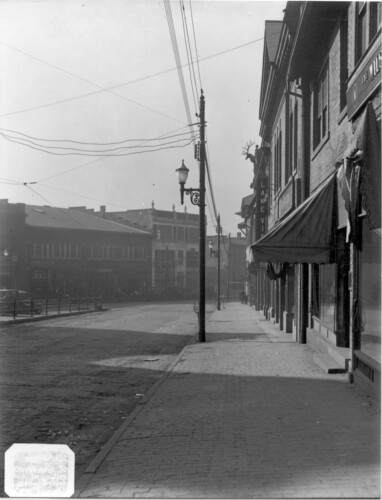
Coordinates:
(295,136)
(180,233)
(96,251)
(343,61)
(324,293)
(118,252)
(192,259)
(320,114)
(370,291)
(277,163)
(137,253)
(368,23)
(292,143)
(180,257)
(289,167)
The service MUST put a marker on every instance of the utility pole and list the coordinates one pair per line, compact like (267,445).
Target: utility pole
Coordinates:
(218,262)
(202,228)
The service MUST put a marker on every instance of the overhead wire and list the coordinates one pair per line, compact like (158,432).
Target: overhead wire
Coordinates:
(120,149)
(190,60)
(196,48)
(165,136)
(130,82)
(100,87)
(78,153)
(175,48)
(93,161)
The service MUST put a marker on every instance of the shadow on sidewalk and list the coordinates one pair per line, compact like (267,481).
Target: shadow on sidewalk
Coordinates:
(245,437)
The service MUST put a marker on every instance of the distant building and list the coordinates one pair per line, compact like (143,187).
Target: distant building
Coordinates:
(233,272)
(66,251)
(175,246)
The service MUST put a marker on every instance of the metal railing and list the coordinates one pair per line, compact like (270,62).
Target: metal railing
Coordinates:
(46,307)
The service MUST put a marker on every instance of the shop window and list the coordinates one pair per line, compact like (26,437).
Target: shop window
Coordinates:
(324,294)
(370,292)
(320,109)
(327,297)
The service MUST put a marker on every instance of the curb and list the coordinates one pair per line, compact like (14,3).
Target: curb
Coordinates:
(86,476)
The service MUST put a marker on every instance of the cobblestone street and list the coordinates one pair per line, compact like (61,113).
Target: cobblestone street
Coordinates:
(74,381)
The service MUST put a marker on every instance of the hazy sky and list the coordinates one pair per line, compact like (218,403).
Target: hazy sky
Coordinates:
(104,71)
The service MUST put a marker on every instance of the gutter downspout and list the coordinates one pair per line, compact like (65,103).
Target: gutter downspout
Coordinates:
(305,189)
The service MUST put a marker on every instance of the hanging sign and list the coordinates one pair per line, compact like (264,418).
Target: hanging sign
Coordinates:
(365,80)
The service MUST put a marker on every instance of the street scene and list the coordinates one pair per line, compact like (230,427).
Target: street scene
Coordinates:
(247,414)
(190,249)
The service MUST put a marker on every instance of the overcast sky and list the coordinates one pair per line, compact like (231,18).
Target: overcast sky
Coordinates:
(104,71)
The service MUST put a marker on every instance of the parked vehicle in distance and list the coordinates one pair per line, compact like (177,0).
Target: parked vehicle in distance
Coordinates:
(14,301)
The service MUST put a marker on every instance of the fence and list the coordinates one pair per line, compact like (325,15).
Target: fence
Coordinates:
(31,307)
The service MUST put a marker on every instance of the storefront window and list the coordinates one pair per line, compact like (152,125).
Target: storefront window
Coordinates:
(327,294)
(370,292)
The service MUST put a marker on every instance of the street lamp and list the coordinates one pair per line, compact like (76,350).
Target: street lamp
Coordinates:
(7,255)
(194,194)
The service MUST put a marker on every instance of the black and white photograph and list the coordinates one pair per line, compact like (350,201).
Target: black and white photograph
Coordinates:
(190,249)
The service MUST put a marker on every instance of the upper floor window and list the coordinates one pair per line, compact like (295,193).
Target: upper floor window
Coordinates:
(368,22)
(343,60)
(277,160)
(320,112)
(292,147)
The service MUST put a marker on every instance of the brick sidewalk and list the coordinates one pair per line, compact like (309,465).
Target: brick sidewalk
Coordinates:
(246,414)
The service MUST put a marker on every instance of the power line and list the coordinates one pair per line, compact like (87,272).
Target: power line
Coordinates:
(73,150)
(130,82)
(102,89)
(94,161)
(164,136)
(196,49)
(97,154)
(194,86)
(175,49)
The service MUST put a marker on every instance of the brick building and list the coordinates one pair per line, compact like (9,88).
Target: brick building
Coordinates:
(61,251)
(316,271)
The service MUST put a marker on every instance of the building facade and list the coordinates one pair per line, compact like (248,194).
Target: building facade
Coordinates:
(233,273)
(58,252)
(175,247)
(317,268)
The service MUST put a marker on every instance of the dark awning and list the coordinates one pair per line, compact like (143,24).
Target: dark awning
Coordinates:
(307,235)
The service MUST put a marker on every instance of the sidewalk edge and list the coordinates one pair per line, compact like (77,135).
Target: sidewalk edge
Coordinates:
(86,476)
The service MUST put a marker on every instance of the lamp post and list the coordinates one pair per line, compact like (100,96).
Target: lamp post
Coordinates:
(8,256)
(215,253)
(197,197)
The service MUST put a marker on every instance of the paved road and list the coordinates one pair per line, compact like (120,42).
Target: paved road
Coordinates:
(74,380)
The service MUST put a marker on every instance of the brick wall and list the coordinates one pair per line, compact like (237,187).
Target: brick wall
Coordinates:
(333,149)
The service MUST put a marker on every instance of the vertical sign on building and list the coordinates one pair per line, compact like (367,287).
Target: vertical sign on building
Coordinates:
(261,209)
